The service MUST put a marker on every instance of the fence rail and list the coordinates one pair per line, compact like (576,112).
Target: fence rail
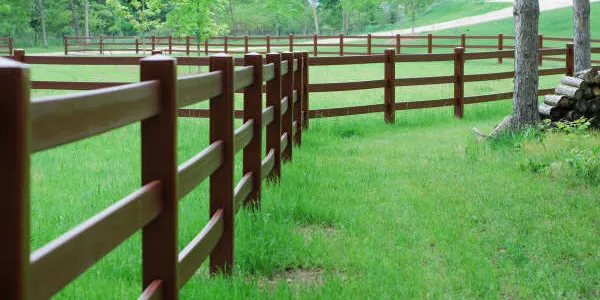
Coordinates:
(6,45)
(31,126)
(388,81)
(360,44)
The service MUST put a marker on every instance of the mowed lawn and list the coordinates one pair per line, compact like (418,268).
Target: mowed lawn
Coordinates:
(417,209)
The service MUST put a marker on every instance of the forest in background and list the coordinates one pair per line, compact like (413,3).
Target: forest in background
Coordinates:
(39,22)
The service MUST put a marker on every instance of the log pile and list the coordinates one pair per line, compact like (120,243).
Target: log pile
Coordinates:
(573,98)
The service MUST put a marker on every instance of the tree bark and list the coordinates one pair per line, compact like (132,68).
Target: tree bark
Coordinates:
(43,23)
(233,29)
(87,19)
(525,109)
(74,18)
(581,40)
(313,5)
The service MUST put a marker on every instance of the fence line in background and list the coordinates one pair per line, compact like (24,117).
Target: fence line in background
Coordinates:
(28,126)
(369,43)
(388,105)
(6,45)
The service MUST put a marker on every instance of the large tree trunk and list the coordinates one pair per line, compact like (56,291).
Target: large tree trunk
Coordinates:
(233,29)
(525,108)
(87,18)
(43,23)
(581,25)
(74,18)
(315,17)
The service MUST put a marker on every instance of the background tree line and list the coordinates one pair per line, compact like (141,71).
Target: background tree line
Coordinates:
(36,22)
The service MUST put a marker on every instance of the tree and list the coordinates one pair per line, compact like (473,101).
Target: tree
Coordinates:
(194,17)
(232,16)
(86,9)
(74,18)
(413,7)
(525,100)
(144,15)
(43,23)
(581,40)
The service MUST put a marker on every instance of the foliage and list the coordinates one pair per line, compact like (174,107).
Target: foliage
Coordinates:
(196,18)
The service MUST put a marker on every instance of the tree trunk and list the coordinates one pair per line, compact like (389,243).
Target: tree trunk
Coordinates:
(43,23)
(74,18)
(87,19)
(581,25)
(233,29)
(525,108)
(413,17)
(315,17)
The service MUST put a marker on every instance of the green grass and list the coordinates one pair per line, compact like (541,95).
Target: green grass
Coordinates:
(443,11)
(418,209)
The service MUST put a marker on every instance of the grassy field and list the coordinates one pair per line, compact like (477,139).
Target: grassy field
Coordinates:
(418,209)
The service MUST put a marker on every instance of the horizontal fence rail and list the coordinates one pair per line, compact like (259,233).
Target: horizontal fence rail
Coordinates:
(339,45)
(33,125)
(6,46)
(242,77)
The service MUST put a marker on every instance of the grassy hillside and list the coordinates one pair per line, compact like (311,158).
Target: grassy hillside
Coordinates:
(557,22)
(450,10)
(443,11)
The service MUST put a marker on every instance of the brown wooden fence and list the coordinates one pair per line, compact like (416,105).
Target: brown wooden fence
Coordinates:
(339,45)
(6,45)
(28,126)
(389,82)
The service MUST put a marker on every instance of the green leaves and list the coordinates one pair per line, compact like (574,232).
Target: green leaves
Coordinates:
(196,17)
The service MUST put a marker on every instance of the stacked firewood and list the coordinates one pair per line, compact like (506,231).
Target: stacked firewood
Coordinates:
(574,98)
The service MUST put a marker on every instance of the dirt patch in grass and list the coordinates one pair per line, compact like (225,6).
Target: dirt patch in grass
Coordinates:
(309,231)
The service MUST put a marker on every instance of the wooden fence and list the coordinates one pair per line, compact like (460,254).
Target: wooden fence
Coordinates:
(28,126)
(389,82)
(339,45)
(6,45)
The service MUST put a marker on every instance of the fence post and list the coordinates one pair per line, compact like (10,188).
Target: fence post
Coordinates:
(66,42)
(463,41)
(101,45)
(253,111)
(187,45)
(225,44)
(14,180)
(170,44)
(159,163)
(390,86)
(268,43)
(221,181)
(288,92)
(19,55)
(291,43)
(299,87)
(274,128)
(430,43)
(305,96)
(153,42)
(137,45)
(570,60)
(398,43)
(540,47)
(369,44)
(246,44)
(10,45)
(459,83)
(315,45)
(500,45)
(341,44)
(205,46)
